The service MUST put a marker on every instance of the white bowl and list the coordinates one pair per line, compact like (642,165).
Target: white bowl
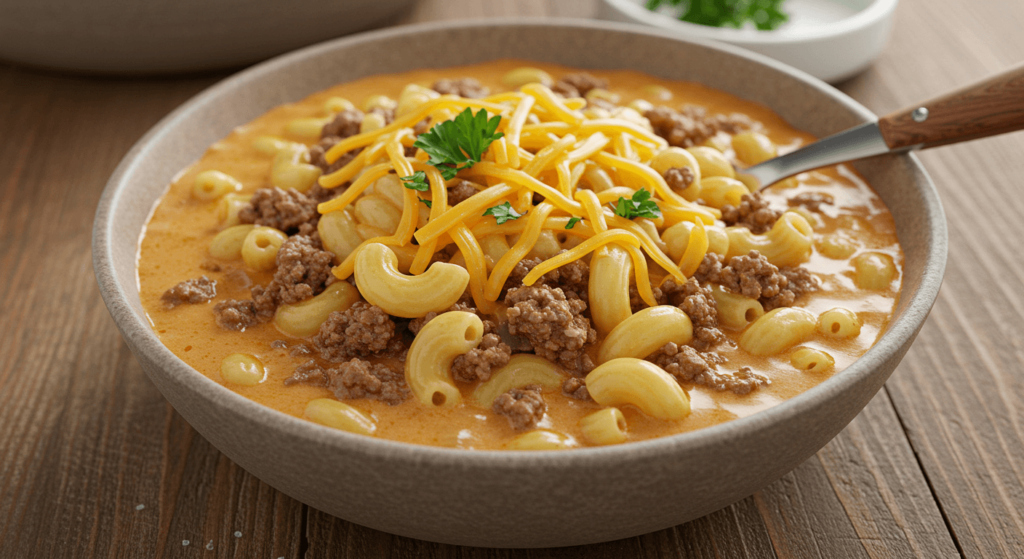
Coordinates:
(830,39)
(160,36)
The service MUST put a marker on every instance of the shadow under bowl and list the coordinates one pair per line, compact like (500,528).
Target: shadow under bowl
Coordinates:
(493,498)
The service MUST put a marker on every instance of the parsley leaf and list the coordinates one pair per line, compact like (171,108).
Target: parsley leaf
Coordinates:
(416,181)
(427,202)
(503,212)
(764,14)
(640,205)
(456,144)
(572,222)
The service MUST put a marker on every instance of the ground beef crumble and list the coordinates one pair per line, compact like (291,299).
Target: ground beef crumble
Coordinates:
(691,125)
(679,178)
(523,407)
(289,211)
(573,278)
(699,304)
(554,325)
(236,315)
(460,192)
(354,379)
(576,387)
(753,276)
(318,157)
(361,379)
(688,365)
(463,87)
(479,363)
(345,124)
(811,200)
(193,291)
(754,213)
(578,84)
(361,330)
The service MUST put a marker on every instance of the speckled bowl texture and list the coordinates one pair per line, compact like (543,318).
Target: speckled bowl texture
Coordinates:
(512,499)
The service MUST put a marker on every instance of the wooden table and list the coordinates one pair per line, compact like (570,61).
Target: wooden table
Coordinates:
(94,462)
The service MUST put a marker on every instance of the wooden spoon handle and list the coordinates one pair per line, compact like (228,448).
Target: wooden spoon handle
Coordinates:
(987,108)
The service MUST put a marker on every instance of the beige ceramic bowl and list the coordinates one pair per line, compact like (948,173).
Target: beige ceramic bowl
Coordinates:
(511,499)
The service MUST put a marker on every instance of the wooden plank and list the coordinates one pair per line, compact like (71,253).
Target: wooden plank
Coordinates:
(93,462)
(958,392)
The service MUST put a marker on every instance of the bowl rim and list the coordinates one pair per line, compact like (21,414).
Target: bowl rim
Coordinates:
(138,332)
(875,12)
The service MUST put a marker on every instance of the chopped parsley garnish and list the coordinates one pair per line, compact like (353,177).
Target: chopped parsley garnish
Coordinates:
(764,14)
(459,143)
(427,202)
(572,222)
(639,205)
(416,181)
(503,212)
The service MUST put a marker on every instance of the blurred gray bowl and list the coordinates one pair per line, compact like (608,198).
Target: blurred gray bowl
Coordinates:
(165,36)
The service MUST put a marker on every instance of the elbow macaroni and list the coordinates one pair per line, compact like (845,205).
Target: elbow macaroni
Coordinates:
(604,427)
(522,369)
(777,331)
(788,243)
(645,332)
(428,364)
(382,284)
(301,320)
(639,383)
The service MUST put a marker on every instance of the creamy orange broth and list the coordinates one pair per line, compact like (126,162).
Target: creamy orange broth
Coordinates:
(175,242)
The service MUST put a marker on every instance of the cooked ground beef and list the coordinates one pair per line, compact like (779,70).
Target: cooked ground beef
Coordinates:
(799,281)
(555,326)
(463,87)
(479,363)
(754,213)
(688,365)
(578,84)
(354,379)
(679,178)
(699,304)
(318,157)
(576,387)
(388,114)
(303,270)
(235,315)
(279,344)
(193,291)
(287,210)
(361,330)
(811,200)
(573,278)
(361,379)
(345,124)
(753,276)
(523,407)
(692,125)
(460,192)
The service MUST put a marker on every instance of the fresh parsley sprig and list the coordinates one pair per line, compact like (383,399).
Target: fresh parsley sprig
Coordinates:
(639,205)
(503,212)
(572,222)
(459,143)
(416,181)
(766,15)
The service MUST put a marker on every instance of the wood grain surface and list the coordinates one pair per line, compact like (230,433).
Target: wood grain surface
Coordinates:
(94,462)
(994,106)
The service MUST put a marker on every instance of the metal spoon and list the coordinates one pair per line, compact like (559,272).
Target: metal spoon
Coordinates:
(990,107)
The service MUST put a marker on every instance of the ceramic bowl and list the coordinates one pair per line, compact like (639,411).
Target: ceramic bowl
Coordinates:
(829,39)
(493,498)
(161,36)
